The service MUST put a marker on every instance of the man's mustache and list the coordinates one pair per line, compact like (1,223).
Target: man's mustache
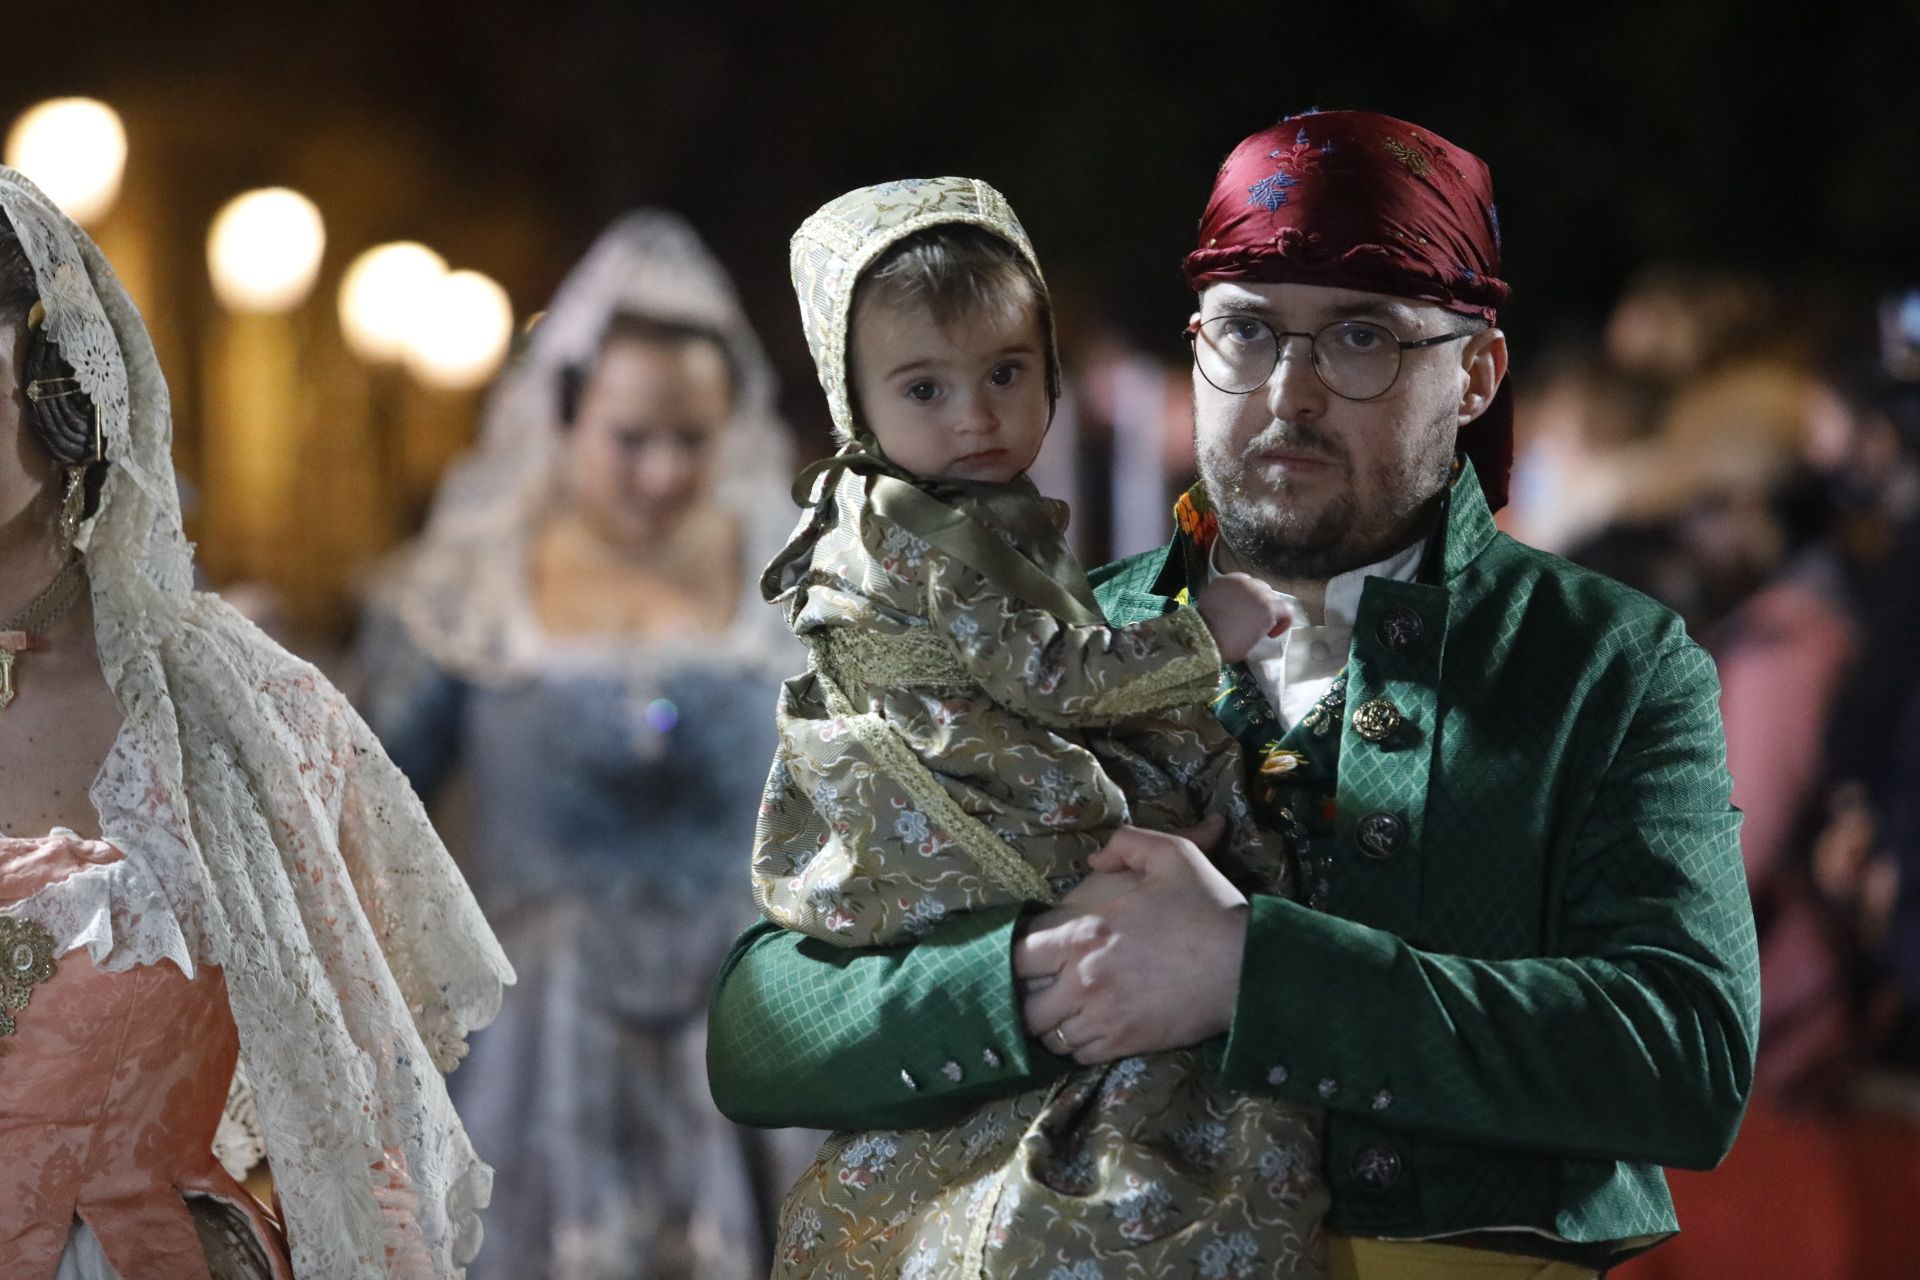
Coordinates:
(1294,437)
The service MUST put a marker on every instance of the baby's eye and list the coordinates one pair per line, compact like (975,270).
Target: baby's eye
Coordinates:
(922,391)
(1004,374)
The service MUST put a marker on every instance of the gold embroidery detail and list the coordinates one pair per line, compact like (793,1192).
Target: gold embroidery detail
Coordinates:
(26,961)
(913,659)
(976,839)
(1417,162)
(1181,682)
(1326,712)
(1277,761)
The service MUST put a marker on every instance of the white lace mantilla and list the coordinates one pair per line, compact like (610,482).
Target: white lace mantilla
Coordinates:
(461,590)
(266,831)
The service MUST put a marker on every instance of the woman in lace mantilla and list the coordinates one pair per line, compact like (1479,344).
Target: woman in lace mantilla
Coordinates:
(208,859)
(567,647)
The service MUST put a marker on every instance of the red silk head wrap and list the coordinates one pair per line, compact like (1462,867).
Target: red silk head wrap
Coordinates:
(1361,201)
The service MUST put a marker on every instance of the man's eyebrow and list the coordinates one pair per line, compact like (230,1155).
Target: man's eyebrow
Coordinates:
(1364,310)
(1241,307)
(1373,311)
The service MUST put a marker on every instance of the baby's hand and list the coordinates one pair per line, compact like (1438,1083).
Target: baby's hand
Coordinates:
(1241,611)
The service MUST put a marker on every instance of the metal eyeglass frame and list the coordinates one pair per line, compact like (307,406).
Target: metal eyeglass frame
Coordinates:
(1280,337)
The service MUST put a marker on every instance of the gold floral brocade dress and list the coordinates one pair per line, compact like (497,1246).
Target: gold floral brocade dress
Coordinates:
(970,730)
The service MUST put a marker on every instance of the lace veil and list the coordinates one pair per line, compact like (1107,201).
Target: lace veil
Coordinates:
(273,837)
(461,589)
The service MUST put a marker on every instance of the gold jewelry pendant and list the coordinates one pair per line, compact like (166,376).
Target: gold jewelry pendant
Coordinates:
(26,961)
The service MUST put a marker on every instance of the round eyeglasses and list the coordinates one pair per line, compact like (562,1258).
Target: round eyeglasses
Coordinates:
(1355,359)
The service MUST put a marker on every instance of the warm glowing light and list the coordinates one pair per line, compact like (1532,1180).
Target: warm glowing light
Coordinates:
(385,297)
(465,326)
(75,150)
(264,250)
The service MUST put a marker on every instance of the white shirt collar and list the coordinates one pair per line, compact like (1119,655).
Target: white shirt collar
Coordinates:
(1342,602)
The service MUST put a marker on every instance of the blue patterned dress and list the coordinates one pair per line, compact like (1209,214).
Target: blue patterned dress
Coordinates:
(604,805)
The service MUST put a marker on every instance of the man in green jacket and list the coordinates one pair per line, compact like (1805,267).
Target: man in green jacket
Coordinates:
(1521,974)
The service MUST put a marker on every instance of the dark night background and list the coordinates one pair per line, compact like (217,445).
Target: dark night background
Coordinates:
(1772,136)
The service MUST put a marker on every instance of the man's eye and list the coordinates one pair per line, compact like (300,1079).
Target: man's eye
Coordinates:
(1362,338)
(1248,331)
(922,391)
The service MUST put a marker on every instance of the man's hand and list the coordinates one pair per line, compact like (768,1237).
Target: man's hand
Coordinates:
(1153,966)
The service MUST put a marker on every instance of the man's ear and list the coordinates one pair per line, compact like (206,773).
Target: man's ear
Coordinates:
(1484,360)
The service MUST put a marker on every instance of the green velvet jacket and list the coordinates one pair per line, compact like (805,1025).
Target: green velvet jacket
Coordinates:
(1533,980)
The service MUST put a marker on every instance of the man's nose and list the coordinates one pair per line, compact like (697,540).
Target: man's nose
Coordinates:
(1295,391)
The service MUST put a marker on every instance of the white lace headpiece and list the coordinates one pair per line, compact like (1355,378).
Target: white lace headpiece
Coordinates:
(281,843)
(460,587)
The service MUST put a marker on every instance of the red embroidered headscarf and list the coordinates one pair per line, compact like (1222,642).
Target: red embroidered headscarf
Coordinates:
(1361,201)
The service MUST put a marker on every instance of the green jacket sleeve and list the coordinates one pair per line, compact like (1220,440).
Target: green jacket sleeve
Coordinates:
(1633,1039)
(902,1037)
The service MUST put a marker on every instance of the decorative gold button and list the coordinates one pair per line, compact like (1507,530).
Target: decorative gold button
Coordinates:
(1376,720)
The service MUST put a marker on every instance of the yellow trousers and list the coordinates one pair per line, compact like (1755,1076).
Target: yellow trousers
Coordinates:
(1357,1258)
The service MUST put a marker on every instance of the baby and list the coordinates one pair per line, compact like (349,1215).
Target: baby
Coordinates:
(969,732)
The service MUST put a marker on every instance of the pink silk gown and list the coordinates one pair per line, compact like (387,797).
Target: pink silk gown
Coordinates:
(111,1089)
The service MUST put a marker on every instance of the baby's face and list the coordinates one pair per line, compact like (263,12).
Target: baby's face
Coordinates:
(967,401)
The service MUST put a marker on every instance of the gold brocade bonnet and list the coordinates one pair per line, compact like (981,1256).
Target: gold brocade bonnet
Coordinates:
(846,235)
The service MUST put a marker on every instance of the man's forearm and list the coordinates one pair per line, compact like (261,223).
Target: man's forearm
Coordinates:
(805,1033)
(1645,1058)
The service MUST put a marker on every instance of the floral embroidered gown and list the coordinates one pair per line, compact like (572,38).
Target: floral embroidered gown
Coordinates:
(954,747)
(969,731)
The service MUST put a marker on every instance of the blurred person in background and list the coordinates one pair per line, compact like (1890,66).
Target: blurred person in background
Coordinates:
(1726,525)
(1785,510)
(571,636)
(1873,738)
(1580,434)
(231,870)
(1673,323)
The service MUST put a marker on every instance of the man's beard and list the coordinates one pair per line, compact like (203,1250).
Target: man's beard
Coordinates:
(1268,528)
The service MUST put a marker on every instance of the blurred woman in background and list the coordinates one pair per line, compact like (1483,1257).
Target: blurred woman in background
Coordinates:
(570,639)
